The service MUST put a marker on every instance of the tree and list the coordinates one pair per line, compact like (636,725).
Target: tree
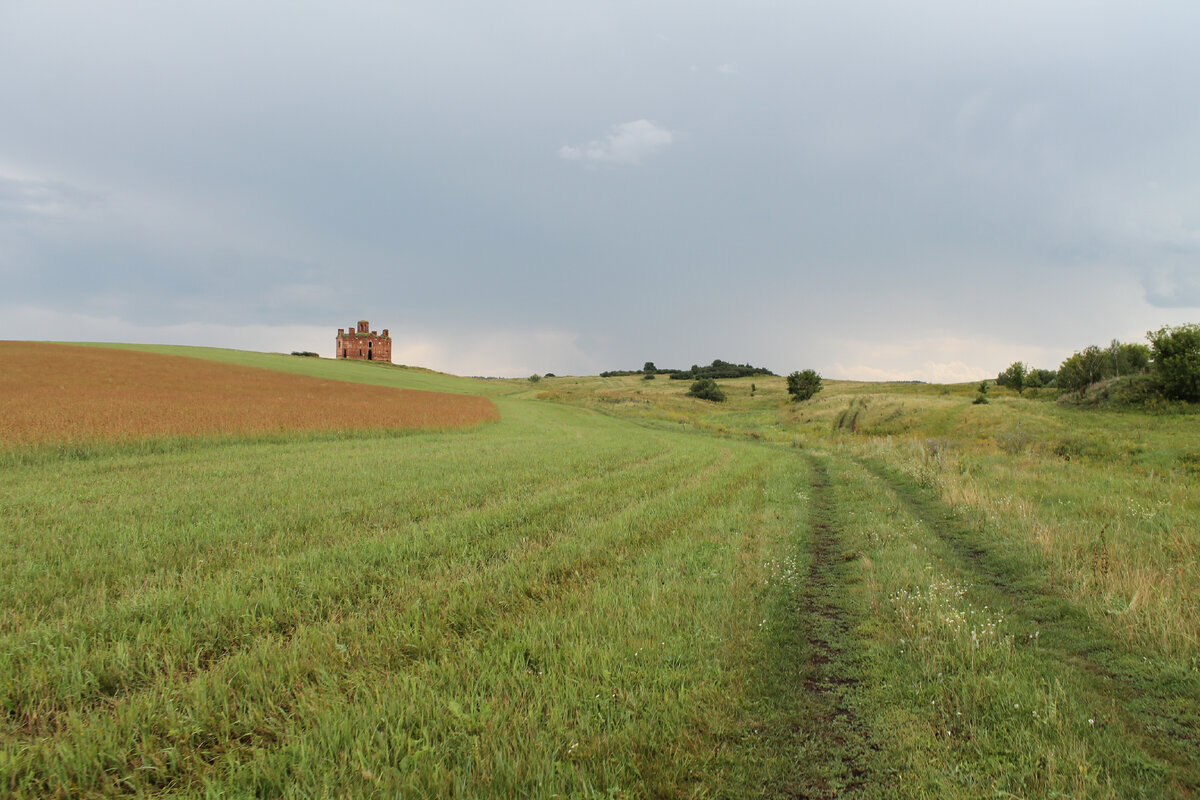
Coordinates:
(534,378)
(1071,377)
(1083,369)
(803,385)
(1043,377)
(649,368)
(1013,377)
(707,389)
(1126,359)
(1176,353)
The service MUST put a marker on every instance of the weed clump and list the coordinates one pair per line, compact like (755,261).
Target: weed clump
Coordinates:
(1013,442)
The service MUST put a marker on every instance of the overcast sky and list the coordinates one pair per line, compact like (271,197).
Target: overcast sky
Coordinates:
(874,189)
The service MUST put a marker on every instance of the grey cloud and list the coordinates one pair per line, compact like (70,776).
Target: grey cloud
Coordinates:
(1174,285)
(628,143)
(23,199)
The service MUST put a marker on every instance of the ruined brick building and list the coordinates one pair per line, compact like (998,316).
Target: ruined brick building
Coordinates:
(364,344)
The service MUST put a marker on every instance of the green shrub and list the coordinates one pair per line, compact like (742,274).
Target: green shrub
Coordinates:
(1176,353)
(1013,377)
(803,385)
(1041,377)
(707,389)
(1143,391)
(1082,369)
(1093,364)
(1071,448)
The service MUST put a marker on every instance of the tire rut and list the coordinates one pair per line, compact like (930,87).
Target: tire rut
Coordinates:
(830,674)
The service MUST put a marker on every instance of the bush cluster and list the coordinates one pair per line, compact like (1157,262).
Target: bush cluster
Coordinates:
(1176,353)
(720,370)
(1093,364)
(1169,368)
(717,370)
(707,389)
(1021,377)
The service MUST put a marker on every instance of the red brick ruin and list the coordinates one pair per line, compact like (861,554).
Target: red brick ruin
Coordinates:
(364,343)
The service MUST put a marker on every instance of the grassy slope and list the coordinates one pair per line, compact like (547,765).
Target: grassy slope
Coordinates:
(1027,579)
(374,373)
(885,591)
(561,603)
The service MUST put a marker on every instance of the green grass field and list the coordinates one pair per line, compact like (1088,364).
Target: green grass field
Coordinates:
(615,591)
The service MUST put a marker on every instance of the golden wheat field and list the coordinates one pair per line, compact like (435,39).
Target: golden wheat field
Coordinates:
(51,393)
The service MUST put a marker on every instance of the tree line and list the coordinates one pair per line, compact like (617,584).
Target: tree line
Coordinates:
(717,369)
(1171,360)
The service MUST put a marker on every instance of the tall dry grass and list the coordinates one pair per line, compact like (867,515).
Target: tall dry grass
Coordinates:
(1118,541)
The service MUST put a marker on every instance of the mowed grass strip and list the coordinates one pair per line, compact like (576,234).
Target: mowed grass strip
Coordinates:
(56,394)
(143,632)
(559,605)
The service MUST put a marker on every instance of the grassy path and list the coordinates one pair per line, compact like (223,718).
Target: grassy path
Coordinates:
(1142,699)
(807,738)
(831,673)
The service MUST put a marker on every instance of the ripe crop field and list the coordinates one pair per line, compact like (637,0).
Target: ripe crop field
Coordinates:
(55,394)
(614,591)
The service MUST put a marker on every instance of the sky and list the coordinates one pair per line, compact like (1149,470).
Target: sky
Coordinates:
(927,190)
